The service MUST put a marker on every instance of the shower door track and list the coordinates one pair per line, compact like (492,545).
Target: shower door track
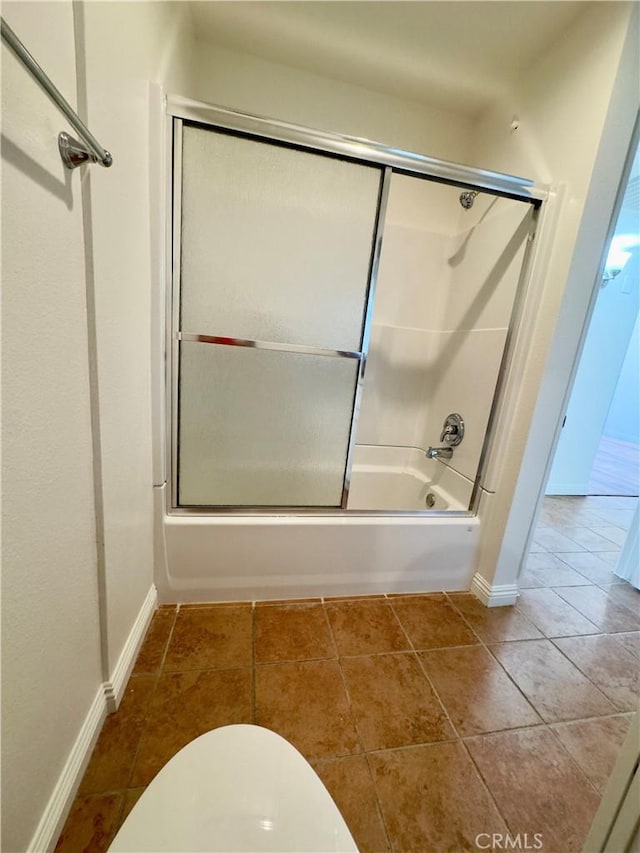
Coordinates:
(357,149)
(347,148)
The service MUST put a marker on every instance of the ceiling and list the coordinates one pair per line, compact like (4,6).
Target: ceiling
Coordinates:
(454,54)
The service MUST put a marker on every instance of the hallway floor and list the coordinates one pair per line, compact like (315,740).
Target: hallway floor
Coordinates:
(430,718)
(616,468)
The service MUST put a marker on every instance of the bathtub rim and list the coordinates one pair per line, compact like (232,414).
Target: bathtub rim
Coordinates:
(196,556)
(319,512)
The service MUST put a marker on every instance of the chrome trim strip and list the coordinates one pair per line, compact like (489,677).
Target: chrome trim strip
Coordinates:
(357,148)
(174,296)
(337,512)
(366,331)
(506,360)
(167,275)
(221,340)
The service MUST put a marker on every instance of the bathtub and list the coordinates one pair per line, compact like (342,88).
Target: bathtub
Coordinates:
(238,557)
(402,478)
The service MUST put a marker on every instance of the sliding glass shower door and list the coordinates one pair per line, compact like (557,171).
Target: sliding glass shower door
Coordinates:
(273,265)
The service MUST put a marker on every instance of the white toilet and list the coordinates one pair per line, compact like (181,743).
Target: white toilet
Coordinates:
(236,788)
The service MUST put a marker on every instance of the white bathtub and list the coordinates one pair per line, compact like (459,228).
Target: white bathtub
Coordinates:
(203,557)
(402,478)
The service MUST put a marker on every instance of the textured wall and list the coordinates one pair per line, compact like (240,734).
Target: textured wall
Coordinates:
(253,85)
(150,41)
(50,635)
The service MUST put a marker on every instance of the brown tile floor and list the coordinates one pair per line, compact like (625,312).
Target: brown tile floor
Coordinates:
(430,718)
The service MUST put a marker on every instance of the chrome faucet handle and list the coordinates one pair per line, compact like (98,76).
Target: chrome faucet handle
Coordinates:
(449,430)
(452,430)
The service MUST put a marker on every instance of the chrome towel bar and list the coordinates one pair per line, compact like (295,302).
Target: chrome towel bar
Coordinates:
(73,152)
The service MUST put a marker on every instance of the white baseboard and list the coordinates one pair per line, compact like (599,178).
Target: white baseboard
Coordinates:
(494,595)
(57,808)
(114,689)
(106,700)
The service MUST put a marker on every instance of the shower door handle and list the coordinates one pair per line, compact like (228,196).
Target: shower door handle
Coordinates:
(226,341)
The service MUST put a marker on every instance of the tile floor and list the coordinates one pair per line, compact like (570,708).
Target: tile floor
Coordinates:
(430,718)
(616,468)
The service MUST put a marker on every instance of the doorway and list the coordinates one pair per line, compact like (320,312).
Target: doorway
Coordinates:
(599,448)
(582,555)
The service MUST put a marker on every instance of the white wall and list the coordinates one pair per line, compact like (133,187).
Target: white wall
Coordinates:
(253,85)
(77,283)
(623,420)
(50,631)
(604,353)
(576,107)
(126,47)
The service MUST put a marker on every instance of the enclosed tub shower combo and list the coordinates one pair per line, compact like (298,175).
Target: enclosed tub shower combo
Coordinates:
(339,321)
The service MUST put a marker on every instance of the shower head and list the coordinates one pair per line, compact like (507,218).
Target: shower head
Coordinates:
(467,198)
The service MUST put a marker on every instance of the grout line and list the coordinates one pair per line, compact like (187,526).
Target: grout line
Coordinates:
(573,761)
(422,669)
(332,638)
(289,661)
(120,819)
(345,685)
(253,700)
(485,783)
(379,809)
(585,675)
(545,724)
(485,645)
(451,723)
(145,718)
(357,730)
(612,604)
(567,604)
(407,651)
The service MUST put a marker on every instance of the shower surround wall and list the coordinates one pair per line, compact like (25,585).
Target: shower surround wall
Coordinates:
(444,297)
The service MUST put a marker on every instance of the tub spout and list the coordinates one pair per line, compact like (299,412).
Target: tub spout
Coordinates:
(439,453)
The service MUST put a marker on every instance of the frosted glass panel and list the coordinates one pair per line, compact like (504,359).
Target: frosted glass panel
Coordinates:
(262,428)
(276,243)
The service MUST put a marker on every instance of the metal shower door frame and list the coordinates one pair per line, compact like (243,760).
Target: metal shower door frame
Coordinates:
(177,335)
(357,150)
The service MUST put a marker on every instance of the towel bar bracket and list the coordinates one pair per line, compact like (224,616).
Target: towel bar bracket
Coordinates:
(74,153)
